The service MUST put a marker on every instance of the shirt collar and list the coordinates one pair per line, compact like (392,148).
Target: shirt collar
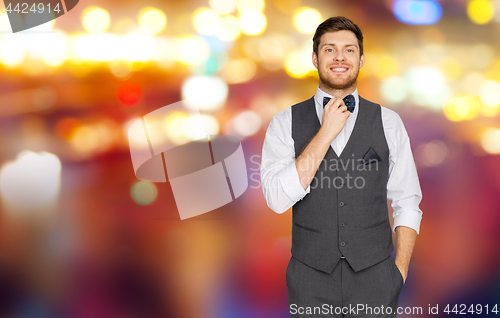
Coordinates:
(318,101)
(320,94)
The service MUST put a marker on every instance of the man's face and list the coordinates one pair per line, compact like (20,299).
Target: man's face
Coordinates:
(338,61)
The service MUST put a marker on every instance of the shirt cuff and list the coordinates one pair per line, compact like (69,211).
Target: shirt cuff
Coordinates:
(289,179)
(410,219)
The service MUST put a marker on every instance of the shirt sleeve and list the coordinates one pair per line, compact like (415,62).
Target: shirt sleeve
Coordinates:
(279,177)
(403,186)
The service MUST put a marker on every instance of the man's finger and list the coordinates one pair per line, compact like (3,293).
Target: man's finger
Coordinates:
(338,102)
(331,103)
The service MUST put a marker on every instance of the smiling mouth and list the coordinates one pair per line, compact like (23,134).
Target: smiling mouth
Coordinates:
(339,69)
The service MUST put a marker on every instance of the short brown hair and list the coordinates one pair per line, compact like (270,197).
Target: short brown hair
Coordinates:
(337,24)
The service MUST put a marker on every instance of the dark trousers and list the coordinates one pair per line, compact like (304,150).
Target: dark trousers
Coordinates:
(343,292)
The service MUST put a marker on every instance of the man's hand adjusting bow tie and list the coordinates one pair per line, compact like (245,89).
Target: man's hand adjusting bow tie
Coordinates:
(349,101)
(335,115)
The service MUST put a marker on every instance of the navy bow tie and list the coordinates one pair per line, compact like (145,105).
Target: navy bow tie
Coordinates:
(348,100)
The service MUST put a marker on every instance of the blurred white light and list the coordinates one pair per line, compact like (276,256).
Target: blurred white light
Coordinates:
(30,181)
(481,55)
(229,29)
(245,123)
(4,22)
(206,93)
(135,134)
(244,5)
(471,83)
(96,47)
(307,20)
(176,126)
(192,50)
(158,132)
(223,6)
(252,22)
(95,20)
(164,50)
(425,80)
(124,26)
(210,126)
(428,87)
(137,47)
(490,93)
(491,141)
(206,21)
(152,21)
(12,50)
(394,89)
(54,50)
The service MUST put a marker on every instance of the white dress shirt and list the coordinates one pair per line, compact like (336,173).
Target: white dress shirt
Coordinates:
(280,180)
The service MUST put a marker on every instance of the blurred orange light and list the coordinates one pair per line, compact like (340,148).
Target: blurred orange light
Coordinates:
(65,127)
(130,94)
(462,108)
(239,71)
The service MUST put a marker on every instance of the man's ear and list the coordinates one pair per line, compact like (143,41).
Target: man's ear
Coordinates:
(315,60)
(362,60)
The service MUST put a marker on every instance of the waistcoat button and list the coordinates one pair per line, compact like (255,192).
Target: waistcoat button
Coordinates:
(342,243)
(342,224)
(341,203)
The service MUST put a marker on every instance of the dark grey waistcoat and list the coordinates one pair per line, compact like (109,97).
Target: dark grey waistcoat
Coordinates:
(345,214)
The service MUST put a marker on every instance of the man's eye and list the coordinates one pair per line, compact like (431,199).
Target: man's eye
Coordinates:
(350,50)
(328,50)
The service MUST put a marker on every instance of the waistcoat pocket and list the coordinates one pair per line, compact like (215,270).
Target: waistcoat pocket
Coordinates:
(306,228)
(375,224)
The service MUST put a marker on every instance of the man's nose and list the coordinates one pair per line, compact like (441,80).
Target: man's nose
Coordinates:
(339,56)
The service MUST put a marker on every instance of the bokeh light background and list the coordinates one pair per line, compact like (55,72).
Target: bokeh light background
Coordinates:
(80,236)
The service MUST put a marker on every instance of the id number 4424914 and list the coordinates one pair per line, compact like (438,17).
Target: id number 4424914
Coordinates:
(478,309)
(23,8)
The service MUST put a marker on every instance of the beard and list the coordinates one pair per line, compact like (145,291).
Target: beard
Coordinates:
(337,83)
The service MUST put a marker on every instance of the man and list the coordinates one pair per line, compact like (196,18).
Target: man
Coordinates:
(337,158)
